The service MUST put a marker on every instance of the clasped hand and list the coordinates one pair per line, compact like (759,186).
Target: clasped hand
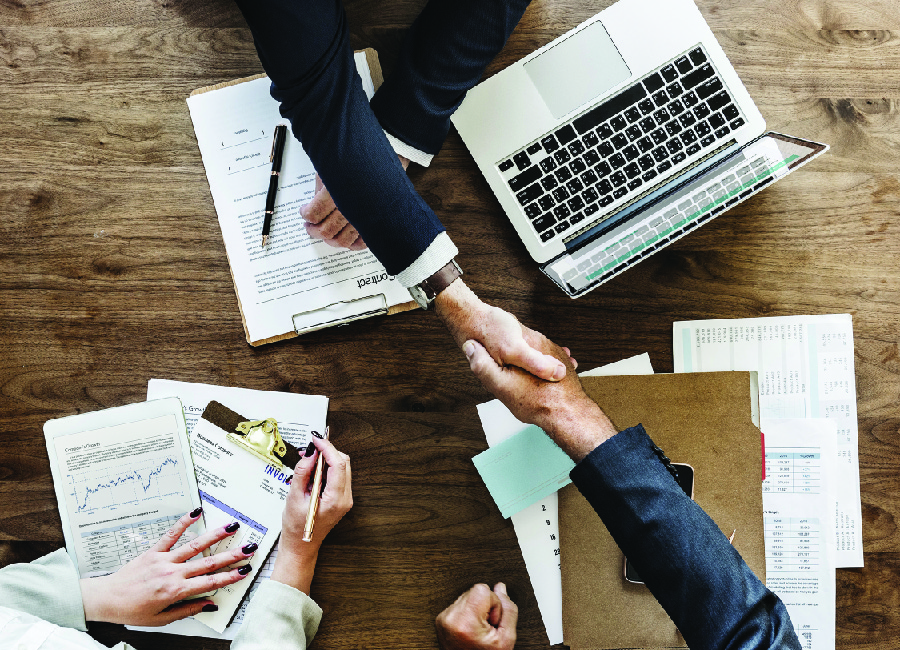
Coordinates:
(480,619)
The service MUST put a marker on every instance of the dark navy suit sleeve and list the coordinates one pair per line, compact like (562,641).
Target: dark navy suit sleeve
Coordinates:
(304,48)
(684,559)
(444,54)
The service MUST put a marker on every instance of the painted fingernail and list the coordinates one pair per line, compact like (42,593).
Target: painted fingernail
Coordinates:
(196,512)
(318,435)
(233,526)
(310,450)
(210,607)
(250,548)
(244,570)
(468,349)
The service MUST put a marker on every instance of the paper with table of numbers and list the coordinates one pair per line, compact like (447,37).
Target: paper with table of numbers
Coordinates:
(798,502)
(806,370)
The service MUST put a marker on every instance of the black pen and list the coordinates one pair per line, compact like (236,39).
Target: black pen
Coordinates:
(275,159)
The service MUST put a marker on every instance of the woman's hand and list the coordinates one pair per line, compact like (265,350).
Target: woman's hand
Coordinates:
(145,591)
(296,559)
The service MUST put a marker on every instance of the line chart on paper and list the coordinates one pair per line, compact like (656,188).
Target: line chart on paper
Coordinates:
(150,479)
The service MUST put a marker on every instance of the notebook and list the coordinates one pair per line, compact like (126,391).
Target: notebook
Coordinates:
(620,137)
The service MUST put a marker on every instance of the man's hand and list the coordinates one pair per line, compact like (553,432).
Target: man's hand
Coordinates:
(508,342)
(480,619)
(562,409)
(324,221)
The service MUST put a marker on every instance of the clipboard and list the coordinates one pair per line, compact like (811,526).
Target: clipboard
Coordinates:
(336,313)
(244,469)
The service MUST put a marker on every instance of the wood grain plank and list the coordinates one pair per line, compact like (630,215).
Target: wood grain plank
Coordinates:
(112,272)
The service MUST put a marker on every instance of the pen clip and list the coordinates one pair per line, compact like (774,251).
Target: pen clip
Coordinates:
(274,140)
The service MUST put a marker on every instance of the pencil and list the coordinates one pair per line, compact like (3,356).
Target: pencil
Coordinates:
(314,499)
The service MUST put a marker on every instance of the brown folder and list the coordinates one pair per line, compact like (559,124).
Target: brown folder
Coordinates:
(702,419)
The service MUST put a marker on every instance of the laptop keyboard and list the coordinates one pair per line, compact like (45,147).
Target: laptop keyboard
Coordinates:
(686,210)
(615,151)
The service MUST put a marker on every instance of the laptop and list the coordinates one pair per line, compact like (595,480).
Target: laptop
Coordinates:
(620,137)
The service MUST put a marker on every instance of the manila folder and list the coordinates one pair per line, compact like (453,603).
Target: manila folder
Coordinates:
(702,419)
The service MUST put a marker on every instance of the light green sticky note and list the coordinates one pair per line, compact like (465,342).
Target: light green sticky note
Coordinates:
(523,469)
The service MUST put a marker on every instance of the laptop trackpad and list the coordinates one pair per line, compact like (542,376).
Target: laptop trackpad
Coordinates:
(583,66)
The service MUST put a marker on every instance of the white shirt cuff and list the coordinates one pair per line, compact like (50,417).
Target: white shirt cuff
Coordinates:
(403,149)
(432,260)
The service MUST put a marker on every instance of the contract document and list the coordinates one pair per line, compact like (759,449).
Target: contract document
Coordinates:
(296,284)
(806,370)
(798,502)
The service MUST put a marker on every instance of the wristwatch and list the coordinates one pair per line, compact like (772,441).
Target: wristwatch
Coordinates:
(427,290)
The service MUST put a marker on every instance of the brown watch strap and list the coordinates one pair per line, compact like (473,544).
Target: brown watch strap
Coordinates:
(439,281)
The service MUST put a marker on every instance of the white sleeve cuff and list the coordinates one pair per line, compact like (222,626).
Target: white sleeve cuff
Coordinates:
(432,260)
(403,149)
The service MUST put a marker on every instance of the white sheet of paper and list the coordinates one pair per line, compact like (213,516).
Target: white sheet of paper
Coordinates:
(289,409)
(798,501)
(122,477)
(806,370)
(295,274)
(537,526)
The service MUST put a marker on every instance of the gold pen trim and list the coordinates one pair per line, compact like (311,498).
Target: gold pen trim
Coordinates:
(314,499)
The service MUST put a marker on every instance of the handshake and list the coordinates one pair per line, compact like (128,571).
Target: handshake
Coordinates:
(535,379)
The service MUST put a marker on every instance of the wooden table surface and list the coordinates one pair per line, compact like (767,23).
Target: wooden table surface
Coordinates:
(113,271)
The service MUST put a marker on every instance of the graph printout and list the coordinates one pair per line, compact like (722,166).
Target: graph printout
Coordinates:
(806,370)
(124,486)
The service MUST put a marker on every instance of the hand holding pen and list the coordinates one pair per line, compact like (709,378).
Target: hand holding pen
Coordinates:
(275,158)
(296,559)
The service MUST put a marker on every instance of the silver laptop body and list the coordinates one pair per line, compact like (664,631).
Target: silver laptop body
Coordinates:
(590,142)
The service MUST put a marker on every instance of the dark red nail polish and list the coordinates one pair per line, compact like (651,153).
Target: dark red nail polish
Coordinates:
(244,570)
(233,526)
(250,548)
(196,512)
(210,607)
(309,450)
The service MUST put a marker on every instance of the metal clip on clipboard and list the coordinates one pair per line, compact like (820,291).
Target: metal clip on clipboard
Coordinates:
(340,313)
(261,438)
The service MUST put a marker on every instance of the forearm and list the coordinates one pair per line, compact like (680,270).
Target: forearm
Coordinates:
(444,54)
(48,587)
(278,616)
(296,569)
(304,48)
(684,559)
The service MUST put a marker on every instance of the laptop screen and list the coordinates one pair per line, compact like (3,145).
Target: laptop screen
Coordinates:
(582,67)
